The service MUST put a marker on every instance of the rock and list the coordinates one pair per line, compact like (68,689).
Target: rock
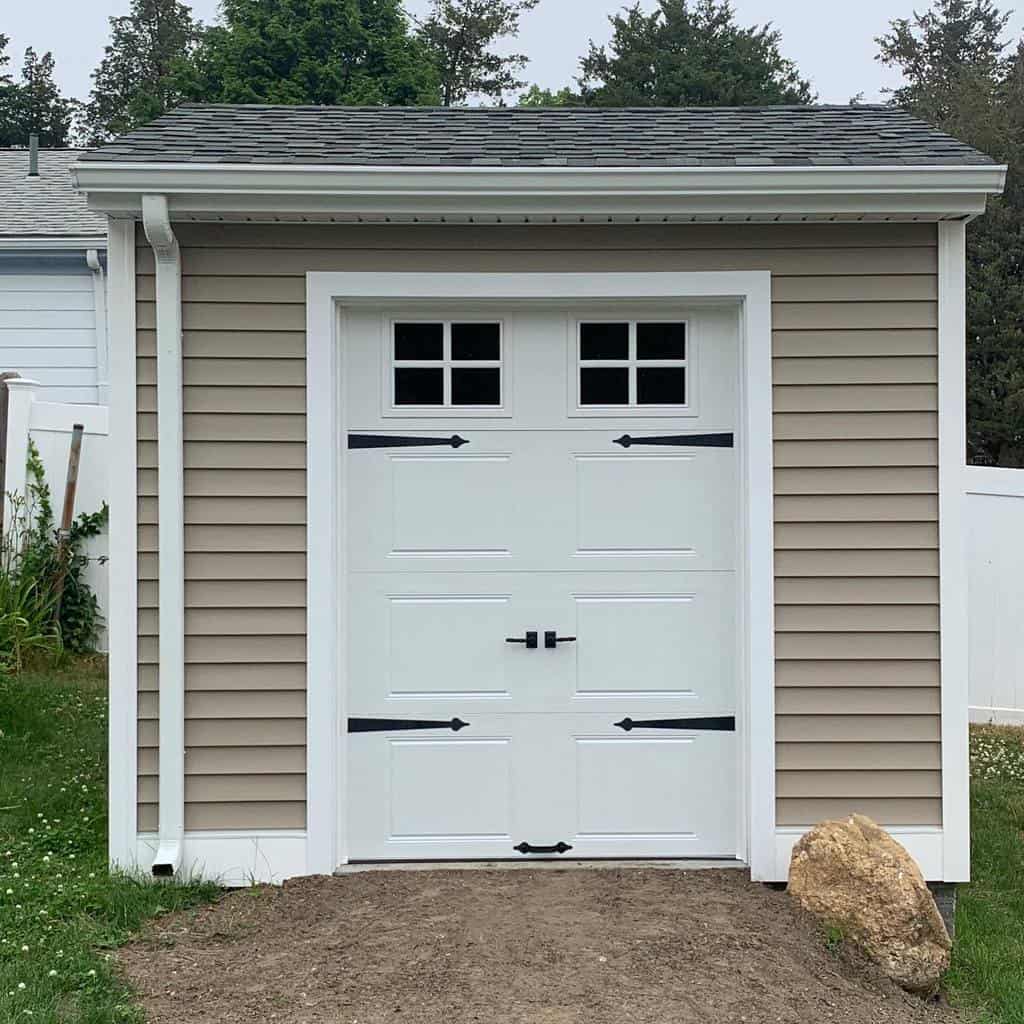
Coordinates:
(853,875)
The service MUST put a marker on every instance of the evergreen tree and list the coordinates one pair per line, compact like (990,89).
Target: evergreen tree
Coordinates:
(958,78)
(689,53)
(535,96)
(135,80)
(34,104)
(311,51)
(459,35)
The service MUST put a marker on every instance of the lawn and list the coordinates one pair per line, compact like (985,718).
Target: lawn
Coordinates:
(988,958)
(61,911)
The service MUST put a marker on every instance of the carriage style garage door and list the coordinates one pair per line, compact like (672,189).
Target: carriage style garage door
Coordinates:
(540,546)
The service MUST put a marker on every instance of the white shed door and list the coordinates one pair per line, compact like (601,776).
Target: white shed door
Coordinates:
(540,552)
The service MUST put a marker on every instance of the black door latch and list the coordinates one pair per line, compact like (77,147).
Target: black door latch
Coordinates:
(530,639)
(530,848)
(551,640)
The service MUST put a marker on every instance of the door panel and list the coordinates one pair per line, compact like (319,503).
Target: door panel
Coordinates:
(618,740)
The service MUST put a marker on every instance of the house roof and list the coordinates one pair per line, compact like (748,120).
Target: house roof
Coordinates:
(46,207)
(836,136)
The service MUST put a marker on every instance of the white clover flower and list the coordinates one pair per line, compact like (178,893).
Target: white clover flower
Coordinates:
(21,986)
(52,974)
(92,974)
(24,949)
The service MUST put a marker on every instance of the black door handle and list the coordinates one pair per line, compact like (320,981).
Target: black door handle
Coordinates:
(530,848)
(530,639)
(552,640)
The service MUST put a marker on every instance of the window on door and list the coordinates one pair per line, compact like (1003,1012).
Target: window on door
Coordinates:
(446,364)
(632,364)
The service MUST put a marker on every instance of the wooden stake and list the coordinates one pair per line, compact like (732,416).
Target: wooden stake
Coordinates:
(68,513)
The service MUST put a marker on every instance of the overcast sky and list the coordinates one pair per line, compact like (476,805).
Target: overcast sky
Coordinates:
(832,43)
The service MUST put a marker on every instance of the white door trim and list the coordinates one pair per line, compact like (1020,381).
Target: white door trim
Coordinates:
(326,293)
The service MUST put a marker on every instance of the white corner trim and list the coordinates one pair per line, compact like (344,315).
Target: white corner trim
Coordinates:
(232,859)
(194,189)
(953,649)
(171,531)
(123,601)
(325,293)
(99,291)
(923,843)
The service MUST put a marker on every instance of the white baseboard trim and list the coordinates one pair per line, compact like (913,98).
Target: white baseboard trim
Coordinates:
(996,716)
(923,843)
(234,858)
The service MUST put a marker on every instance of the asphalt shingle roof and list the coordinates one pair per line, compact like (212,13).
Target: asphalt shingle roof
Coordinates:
(529,136)
(47,206)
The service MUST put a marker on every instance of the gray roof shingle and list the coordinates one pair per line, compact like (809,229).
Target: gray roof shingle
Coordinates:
(47,206)
(532,136)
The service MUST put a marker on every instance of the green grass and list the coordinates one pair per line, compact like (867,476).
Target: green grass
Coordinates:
(61,911)
(987,972)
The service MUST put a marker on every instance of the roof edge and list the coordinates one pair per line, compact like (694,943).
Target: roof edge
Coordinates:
(116,188)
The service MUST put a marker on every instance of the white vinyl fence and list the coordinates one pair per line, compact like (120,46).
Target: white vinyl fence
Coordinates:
(49,424)
(995,593)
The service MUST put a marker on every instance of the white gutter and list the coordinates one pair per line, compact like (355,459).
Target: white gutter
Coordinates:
(171,534)
(99,293)
(209,189)
(44,244)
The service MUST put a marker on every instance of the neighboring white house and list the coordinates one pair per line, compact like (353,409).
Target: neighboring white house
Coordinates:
(53,319)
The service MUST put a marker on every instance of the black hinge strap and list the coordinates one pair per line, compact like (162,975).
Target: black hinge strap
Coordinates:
(711,724)
(401,724)
(397,441)
(680,440)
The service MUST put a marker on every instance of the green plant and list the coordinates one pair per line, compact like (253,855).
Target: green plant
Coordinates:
(834,939)
(46,606)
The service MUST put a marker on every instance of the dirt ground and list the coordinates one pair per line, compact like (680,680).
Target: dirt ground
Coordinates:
(536,946)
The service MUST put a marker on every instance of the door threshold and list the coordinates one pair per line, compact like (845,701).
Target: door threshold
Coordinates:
(604,864)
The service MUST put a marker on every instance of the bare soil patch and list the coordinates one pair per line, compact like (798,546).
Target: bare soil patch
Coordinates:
(619,946)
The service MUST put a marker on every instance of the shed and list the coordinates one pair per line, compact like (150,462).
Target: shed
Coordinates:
(535,483)
(52,290)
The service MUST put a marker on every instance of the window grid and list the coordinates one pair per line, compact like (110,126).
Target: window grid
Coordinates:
(631,363)
(446,364)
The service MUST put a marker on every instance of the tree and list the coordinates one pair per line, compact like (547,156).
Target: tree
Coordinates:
(535,96)
(34,104)
(459,35)
(135,81)
(958,78)
(689,53)
(311,51)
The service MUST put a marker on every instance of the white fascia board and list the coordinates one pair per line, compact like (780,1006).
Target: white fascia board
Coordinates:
(44,244)
(208,189)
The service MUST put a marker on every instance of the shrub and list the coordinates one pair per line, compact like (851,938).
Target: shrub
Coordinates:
(46,606)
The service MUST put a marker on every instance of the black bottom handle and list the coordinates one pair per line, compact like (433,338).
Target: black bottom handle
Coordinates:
(530,848)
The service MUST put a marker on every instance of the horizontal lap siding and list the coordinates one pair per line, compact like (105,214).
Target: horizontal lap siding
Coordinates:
(855,403)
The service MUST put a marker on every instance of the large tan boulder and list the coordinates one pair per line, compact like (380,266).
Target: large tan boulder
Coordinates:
(854,876)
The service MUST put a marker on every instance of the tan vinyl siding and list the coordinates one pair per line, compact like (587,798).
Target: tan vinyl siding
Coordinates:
(855,399)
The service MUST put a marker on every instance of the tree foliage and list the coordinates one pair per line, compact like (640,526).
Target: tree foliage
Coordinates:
(358,52)
(689,53)
(33,104)
(136,80)
(460,34)
(535,96)
(958,77)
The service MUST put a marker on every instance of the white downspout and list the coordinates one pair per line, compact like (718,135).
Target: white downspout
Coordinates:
(171,535)
(99,291)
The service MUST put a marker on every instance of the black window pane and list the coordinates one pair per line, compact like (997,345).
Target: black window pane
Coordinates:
(419,341)
(604,341)
(661,341)
(476,387)
(600,385)
(476,341)
(419,386)
(661,385)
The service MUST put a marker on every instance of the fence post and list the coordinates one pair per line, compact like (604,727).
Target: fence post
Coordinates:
(21,393)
